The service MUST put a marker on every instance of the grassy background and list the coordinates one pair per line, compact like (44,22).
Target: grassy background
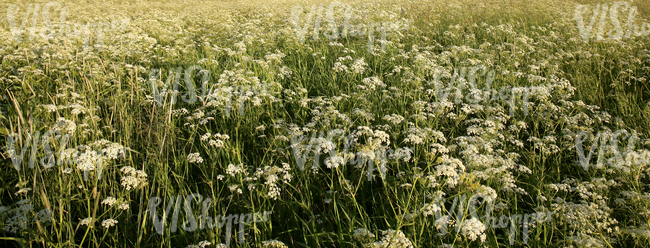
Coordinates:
(164,34)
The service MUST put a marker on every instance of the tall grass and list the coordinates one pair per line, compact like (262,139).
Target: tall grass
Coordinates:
(525,163)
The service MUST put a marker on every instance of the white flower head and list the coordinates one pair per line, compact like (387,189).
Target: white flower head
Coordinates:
(123,206)
(194,158)
(109,201)
(86,221)
(362,233)
(473,228)
(273,244)
(109,223)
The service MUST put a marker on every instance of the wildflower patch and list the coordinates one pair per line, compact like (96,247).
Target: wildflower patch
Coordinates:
(48,30)
(87,158)
(473,226)
(346,29)
(616,31)
(204,221)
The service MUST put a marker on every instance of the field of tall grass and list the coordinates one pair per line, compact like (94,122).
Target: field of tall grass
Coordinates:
(384,123)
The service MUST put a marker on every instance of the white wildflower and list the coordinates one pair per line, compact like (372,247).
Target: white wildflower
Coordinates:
(194,158)
(109,201)
(473,228)
(86,221)
(109,223)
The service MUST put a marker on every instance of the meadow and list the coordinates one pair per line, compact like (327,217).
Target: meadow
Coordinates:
(286,123)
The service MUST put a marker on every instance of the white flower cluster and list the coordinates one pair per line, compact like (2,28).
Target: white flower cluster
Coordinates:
(362,234)
(49,107)
(91,157)
(235,188)
(123,206)
(403,154)
(371,83)
(203,244)
(110,201)
(432,182)
(394,119)
(443,222)
(429,209)
(133,178)
(89,160)
(451,168)
(473,228)
(219,142)
(583,240)
(274,244)
(19,218)
(334,162)
(359,66)
(339,67)
(233,170)
(44,215)
(109,223)
(392,239)
(323,145)
(271,174)
(86,221)
(114,150)
(194,158)
(64,126)
(373,149)
(487,193)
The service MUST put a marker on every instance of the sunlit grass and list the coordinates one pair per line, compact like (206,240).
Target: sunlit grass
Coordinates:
(384,100)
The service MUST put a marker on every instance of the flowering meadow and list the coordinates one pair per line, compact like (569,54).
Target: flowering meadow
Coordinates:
(285,123)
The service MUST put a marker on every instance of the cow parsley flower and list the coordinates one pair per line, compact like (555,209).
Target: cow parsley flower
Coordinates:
(473,228)
(109,201)
(273,244)
(88,160)
(109,223)
(86,221)
(134,178)
(113,151)
(203,244)
(216,143)
(430,209)
(49,107)
(334,162)
(362,234)
(395,239)
(339,67)
(233,170)
(194,158)
(359,66)
(123,206)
